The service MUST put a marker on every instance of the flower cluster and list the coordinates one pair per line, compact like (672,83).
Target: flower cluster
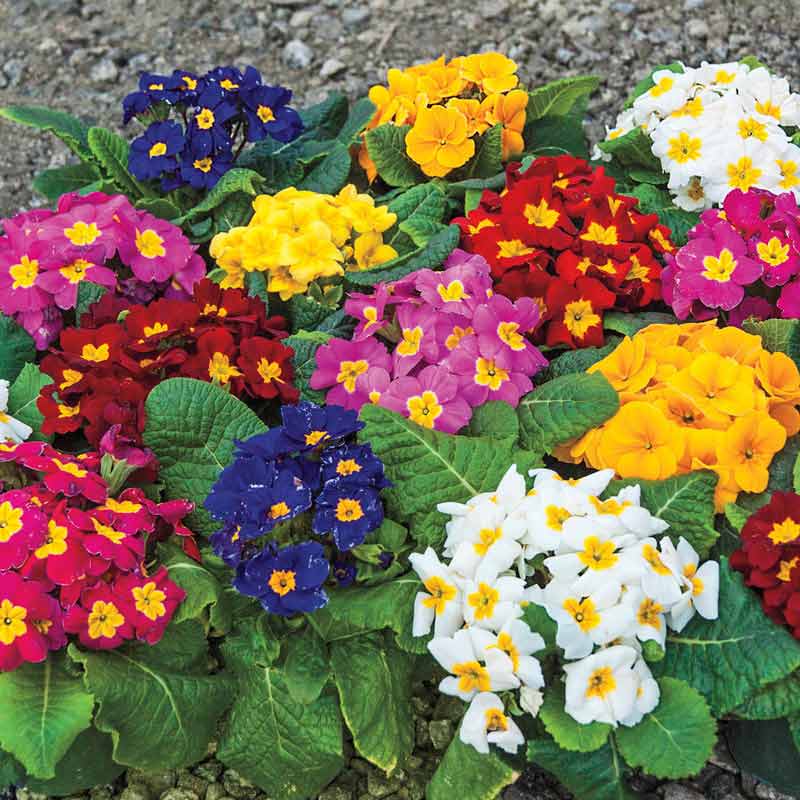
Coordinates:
(750,247)
(448,104)
(72,556)
(297,237)
(305,467)
(456,345)
(559,233)
(221,111)
(607,583)
(46,255)
(105,369)
(694,396)
(718,127)
(769,557)
(10,429)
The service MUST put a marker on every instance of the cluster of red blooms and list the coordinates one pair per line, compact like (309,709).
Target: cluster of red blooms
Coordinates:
(770,558)
(105,369)
(72,557)
(560,234)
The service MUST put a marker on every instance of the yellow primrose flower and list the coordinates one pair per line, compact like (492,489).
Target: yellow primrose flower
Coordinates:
(747,448)
(509,110)
(395,102)
(370,251)
(628,368)
(475,112)
(438,142)
(440,81)
(492,72)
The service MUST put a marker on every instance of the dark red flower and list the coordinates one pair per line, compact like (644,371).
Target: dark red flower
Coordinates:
(267,366)
(575,313)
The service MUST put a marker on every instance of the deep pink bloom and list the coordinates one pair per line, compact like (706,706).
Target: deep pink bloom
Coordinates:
(153,248)
(101,618)
(368,309)
(103,539)
(789,301)
(62,280)
(420,333)
(464,284)
(22,528)
(70,476)
(152,600)
(373,383)
(755,307)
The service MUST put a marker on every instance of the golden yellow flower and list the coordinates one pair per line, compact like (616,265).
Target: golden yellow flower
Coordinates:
(438,142)
(492,72)
(747,448)
(628,368)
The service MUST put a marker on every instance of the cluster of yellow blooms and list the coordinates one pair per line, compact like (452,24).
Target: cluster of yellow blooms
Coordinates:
(694,397)
(296,237)
(448,104)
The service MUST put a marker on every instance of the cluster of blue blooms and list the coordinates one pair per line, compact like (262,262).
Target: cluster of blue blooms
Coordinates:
(306,465)
(221,111)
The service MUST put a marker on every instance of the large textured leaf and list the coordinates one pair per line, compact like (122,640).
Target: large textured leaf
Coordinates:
(599,775)
(71,130)
(289,749)
(778,335)
(488,158)
(52,183)
(779,699)
(628,323)
(568,733)
(88,763)
(305,345)
(331,173)
(360,114)
(386,146)
(18,349)
(559,97)
(555,135)
(634,149)
(464,773)
(572,361)
(191,426)
(564,408)
(686,502)
(42,709)
(729,659)
(496,420)
(306,668)
(766,750)
(158,703)
(425,200)
(235,181)
(325,119)
(111,152)
(676,738)
(374,682)
(11,772)
(22,396)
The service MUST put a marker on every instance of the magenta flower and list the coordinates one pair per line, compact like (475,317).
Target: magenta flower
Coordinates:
(21,289)
(341,363)
(368,309)
(101,618)
(43,325)
(431,399)
(373,383)
(62,281)
(102,538)
(152,600)
(751,307)
(70,477)
(22,528)
(153,248)
(420,333)
(464,284)
(789,301)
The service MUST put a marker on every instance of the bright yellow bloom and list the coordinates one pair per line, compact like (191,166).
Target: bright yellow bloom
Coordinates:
(509,110)
(370,251)
(475,112)
(492,72)
(438,142)
(628,368)
(748,447)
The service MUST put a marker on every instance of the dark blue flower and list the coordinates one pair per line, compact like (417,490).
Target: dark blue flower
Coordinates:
(227,499)
(344,572)
(208,129)
(353,464)
(347,512)
(155,151)
(134,104)
(229,79)
(288,581)
(204,172)
(268,114)
(308,425)
(158,87)
(269,445)
(186,85)
(171,180)
(227,545)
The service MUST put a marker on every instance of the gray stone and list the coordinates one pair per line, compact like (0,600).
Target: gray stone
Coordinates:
(297,54)
(336,793)
(104,70)
(677,791)
(194,783)
(238,786)
(135,791)
(331,67)
(100,793)
(767,792)
(156,782)
(179,794)
(215,791)
(301,18)
(697,28)
(353,17)
(441,733)
(209,770)
(378,785)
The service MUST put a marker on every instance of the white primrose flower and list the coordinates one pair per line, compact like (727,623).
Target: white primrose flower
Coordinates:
(647,694)
(769,96)
(487,723)
(441,605)
(691,196)
(660,571)
(545,518)
(518,642)
(595,483)
(530,700)
(649,622)
(509,494)
(11,428)
(700,583)
(471,671)
(491,601)
(586,621)
(602,687)
(788,164)
(626,507)
(670,90)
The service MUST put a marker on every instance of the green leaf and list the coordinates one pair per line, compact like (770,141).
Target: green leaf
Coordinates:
(306,314)
(752,62)
(779,699)
(676,738)
(111,152)
(190,427)
(358,118)
(158,703)
(572,361)
(235,181)
(71,130)
(777,335)
(278,169)
(52,183)
(42,709)
(653,200)
(554,135)
(729,659)
(425,200)
(18,349)
(564,408)
(488,158)
(539,621)
(88,294)
(87,763)
(288,749)
(465,773)
(629,324)
(330,174)
(765,749)
(634,149)
(22,395)
(305,345)
(559,97)
(325,120)
(253,642)
(386,146)
(159,207)
(686,502)
(568,733)
(736,515)
(374,682)
(496,420)
(599,775)
(11,772)
(306,669)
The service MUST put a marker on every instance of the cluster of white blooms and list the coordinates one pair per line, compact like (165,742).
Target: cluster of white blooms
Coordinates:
(10,428)
(606,581)
(716,128)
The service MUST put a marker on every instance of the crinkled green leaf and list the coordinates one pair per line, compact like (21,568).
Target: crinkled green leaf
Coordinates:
(360,114)
(424,200)
(653,200)
(42,709)
(558,98)
(568,733)
(729,659)
(630,323)
(571,361)
(18,349)
(11,771)
(110,151)
(676,738)
(557,135)
(330,174)
(88,294)
(159,207)
(768,750)
(190,427)
(52,183)
(306,668)
(736,515)
(305,345)
(386,146)
(777,335)
(564,408)
(71,130)
(374,682)
(235,181)
(22,395)
(495,420)
(488,158)
(779,699)
(325,119)
(254,642)
(633,149)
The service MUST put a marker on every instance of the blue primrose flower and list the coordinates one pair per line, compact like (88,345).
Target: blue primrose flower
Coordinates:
(229,78)
(269,445)
(186,85)
(227,545)
(353,464)
(155,151)
(287,581)
(266,508)
(344,572)
(308,425)
(347,512)
(268,114)
(208,129)
(227,500)
(203,172)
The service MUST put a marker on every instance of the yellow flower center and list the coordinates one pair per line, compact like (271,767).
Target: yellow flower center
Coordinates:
(742,175)
(441,593)
(451,342)
(265,114)
(158,149)
(56,542)
(601,683)
(541,216)
(510,248)
(584,612)
(104,619)
(24,273)
(719,268)
(610,506)
(601,235)
(282,581)
(752,129)
(409,345)
(774,252)
(453,292)
(424,409)
(220,369)
(204,119)
(769,109)
(684,148)
(82,234)
(12,622)
(76,271)
(496,720)
(203,164)
(662,87)
(149,243)
(785,571)
(348,466)
(269,371)
(108,532)
(10,520)
(556,517)
(649,612)
(509,333)
(789,175)
(484,601)
(96,354)
(488,536)
(487,373)
(579,316)
(155,329)
(349,372)
(653,558)
(472,677)
(149,600)
(784,532)
(597,555)
(348,510)
(315,437)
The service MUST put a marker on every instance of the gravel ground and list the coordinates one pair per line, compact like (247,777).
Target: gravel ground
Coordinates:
(83,56)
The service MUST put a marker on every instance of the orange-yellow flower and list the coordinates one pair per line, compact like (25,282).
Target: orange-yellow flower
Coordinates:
(395,103)
(628,368)
(640,442)
(492,72)
(438,142)
(440,81)
(747,448)
(731,342)
(509,110)
(475,112)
